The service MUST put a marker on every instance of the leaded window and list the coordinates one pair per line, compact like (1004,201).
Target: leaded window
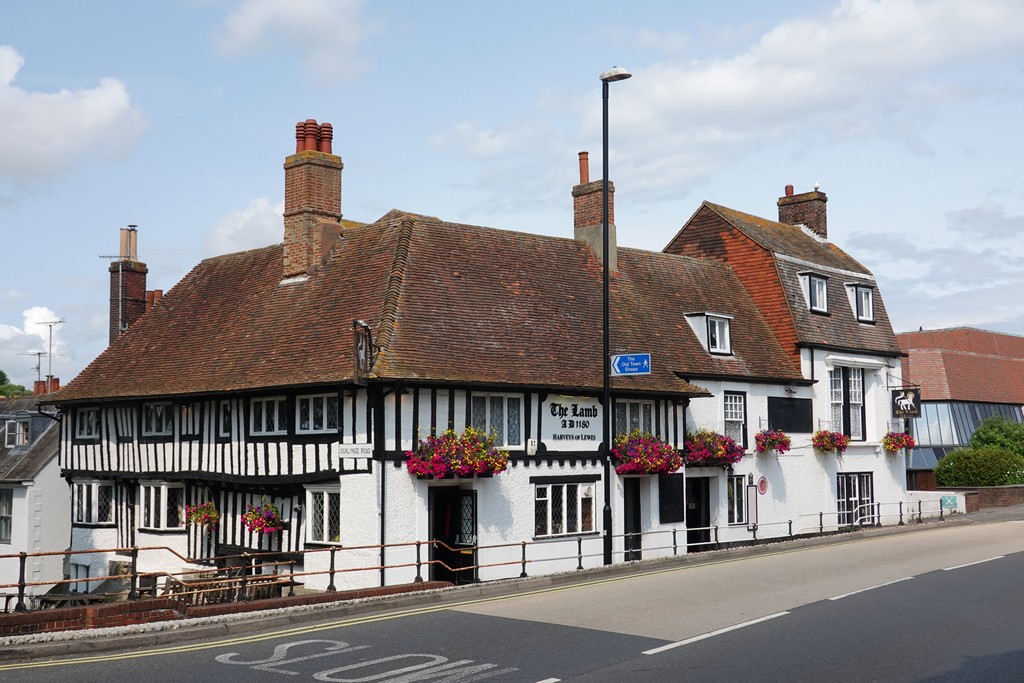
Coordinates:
(499,416)
(561,509)
(317,414)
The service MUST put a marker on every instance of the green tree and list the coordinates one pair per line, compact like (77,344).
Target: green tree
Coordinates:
(8,389)
(1001,433)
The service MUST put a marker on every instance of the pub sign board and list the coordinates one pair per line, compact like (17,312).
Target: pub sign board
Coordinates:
(906,403)
(571,423)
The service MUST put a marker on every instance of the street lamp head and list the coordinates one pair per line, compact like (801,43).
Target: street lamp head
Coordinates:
(616,73)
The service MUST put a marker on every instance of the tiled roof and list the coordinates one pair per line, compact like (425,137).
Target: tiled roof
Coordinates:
(965,364)
(446,302)
(790,240)
(24,463)
(719,232)
(840,327)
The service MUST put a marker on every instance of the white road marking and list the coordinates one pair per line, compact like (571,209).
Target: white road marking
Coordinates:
(870,588)
(713,633)
(971,564)
(550,680)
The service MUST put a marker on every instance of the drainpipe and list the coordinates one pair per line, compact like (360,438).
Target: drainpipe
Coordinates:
(375,396)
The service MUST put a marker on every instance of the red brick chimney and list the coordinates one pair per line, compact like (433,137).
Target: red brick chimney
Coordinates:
(127,285)
(807,208)
(312,198)
(587,209)
(42,388)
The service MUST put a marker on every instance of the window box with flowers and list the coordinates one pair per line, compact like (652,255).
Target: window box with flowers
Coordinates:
(264,518)
(772,440)
(640,453)
(470,454)
(705,448)
(826,442)
(203,514)
(894,442)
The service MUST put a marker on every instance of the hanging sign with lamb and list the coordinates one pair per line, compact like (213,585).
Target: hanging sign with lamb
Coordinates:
(906,403)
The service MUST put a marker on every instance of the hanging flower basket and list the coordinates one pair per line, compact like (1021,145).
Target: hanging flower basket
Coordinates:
(264,518)
(705,448)
(641,453)
(894,442)
(469,454)
(768,440)
(203,514)
(827,443)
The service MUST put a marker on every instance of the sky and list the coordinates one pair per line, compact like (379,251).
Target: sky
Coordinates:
(176,117)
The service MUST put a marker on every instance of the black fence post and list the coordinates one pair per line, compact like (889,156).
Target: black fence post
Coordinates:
(790,528)
(331,588)
(523,574)
(243,592)
(20,606)
(821,522)
(419,564)
(901,514)
(878,514)
(291,579)
(675,545)
(941,510)
(717,546)
(579,553)
(133,594)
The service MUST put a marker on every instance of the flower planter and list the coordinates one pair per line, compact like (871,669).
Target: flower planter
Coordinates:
(895,443)
(705,448)
(772,441)
(640,453)
(467,455)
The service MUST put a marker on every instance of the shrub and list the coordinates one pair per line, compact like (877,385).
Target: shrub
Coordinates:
(1001,433)
(986,466)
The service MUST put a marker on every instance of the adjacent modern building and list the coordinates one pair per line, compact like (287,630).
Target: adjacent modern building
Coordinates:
(964,376)
(298,377)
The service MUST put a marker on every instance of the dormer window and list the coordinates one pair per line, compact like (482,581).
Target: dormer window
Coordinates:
(817,293)
(712,330)
(864,304)
(17,433)
(719,340)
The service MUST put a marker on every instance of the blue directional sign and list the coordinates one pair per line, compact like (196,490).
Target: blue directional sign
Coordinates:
(631,364)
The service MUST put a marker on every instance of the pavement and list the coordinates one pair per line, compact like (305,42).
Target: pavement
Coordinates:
(92,641)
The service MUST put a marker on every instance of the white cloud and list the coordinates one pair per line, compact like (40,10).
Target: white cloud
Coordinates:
(257,225)
(329,33)
(46,134)
(21,343)
(940,283)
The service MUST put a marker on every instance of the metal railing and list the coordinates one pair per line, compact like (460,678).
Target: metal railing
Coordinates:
(256,575)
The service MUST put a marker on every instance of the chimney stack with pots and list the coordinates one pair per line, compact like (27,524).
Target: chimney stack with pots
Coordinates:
(312,198)
(807,208)
(127,285)
(587,209)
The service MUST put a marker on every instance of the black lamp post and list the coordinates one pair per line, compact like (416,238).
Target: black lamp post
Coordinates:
(616,73)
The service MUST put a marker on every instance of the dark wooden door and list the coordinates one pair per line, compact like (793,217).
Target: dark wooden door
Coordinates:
(453,532)
(631,519)
(698,513)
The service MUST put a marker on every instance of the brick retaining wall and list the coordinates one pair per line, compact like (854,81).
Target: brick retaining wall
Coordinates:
(150,610)
(989,496)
